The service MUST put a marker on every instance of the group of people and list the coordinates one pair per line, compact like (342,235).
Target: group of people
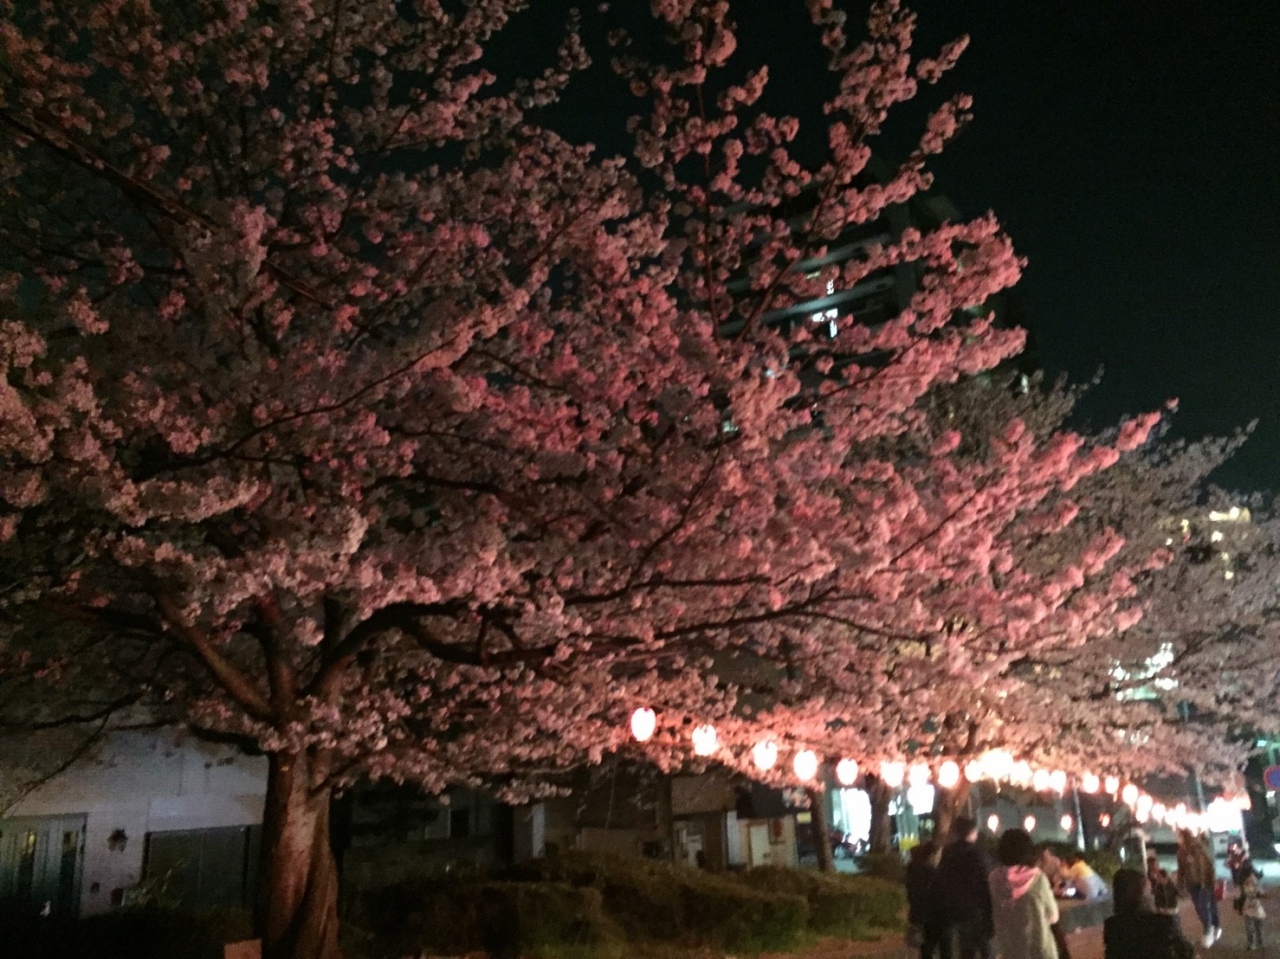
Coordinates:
(964,905)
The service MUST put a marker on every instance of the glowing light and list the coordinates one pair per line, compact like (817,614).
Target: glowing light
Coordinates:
(1058,781)
(892,774)
(920,797)
(705,741)
(1029,824)
(1090,783)
(1158,812)
(805,764)
(1129,794)
(1040,780)
(948,775)
(918,774)
(1066,823)
(847,772)
(765,755)
(997,763)
(643,724)
(973,770)
(1112,785)
(1104,820)
(1020,774)
(993,823)
(1242,802)
(1223,816)
(1142,814)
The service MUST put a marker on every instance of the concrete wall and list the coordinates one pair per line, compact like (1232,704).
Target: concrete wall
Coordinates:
(142,783)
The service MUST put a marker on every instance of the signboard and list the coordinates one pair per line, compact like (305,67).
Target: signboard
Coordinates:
(1272,777)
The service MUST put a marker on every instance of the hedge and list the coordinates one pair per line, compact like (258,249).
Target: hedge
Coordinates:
(839,904)
(661,902)
(504,919)
(142,933)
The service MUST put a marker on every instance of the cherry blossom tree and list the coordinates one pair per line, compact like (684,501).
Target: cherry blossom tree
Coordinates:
(350,412)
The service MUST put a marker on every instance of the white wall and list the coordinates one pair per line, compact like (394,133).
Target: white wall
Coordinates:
(141,783)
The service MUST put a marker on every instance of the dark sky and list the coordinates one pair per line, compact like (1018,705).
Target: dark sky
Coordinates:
(1132,151)
(1131,148)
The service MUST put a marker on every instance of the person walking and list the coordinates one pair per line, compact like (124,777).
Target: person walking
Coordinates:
(1136,930)
(1196,878)
(960,897)
(922,924)
(1252,910)
(1023,908)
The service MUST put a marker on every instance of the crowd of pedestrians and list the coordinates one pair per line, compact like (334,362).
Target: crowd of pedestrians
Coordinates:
(963,904)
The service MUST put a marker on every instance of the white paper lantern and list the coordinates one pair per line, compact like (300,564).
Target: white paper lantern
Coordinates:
(765,755)
(1090,783)
(1112,785)
(948,775)
(643,723)
(705,741)
(805,764)
(1129,794)
(918,774)
(1040,780)
(893,774)
(847,772)
(1029,824)
(1058,781)
(1066,822)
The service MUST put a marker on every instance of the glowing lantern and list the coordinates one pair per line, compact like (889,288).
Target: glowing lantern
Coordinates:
(973,770)
(1066,822)
(993,822)
(1144,805)
(765,755)
(998,763)
(1029,824)
(643,723)
(1129,794)
(1112,785)
(847,772)
(1020,774)
(805,764)
(892,774)
(1040,780)
(1158,812)
(1090,783)
(1142,814)
(705,741)
(918,774)
(1058,781)
(1104,820)
(920,798)
(948,775)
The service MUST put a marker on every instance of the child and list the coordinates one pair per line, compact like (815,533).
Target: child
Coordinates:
(1253,912)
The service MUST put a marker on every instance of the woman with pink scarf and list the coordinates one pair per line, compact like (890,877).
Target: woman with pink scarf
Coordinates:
(1022,899)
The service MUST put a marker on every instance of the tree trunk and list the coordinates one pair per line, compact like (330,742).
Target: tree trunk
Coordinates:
(297,909)
(821,830)
(881,840)
(947,805)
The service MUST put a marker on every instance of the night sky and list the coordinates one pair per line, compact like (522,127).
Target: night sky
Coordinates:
(1131,149)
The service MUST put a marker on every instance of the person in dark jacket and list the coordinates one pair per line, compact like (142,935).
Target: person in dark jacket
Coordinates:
(960,898)
(1137,931)
(922,927)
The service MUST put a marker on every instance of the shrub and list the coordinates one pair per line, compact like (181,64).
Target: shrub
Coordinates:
(661,902)
(883,865)
(148,932)
(839,905)
(501,918)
